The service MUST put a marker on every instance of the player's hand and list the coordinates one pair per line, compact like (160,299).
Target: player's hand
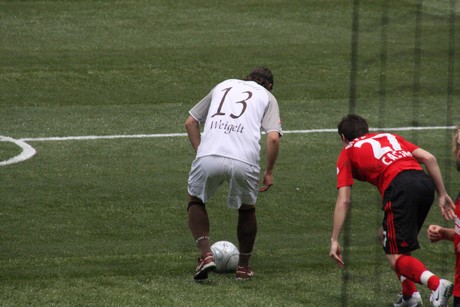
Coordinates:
(336,254)
(267,182)
(447,207)
(434,233)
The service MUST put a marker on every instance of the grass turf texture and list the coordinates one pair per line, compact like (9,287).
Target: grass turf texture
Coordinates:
(103,222)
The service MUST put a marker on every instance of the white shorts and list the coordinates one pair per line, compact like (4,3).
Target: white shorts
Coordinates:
(208,173)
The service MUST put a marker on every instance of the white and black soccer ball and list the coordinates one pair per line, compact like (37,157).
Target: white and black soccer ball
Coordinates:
(226,256)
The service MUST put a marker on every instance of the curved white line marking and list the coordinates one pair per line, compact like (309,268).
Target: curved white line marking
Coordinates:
(27,151)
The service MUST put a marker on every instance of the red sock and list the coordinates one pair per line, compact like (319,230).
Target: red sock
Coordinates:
(415,270)
(433,282)
(408,286)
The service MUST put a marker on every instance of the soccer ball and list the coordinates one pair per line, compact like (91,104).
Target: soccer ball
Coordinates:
(226,256)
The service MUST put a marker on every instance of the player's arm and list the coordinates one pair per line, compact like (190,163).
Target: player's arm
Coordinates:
(342,206)
(436,233)
(445,202)
(193,131)
(271,154)
(198,115)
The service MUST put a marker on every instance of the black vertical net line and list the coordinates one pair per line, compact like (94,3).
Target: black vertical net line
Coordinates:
(383,62)
(450,80)
(381,122)
(451,66)
(417,64)
(352,107)
(450,85)
(448,165)
(354,56)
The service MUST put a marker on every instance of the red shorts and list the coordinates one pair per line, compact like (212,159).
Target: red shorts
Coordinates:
(406,204)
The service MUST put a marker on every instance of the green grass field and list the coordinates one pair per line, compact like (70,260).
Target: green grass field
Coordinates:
(103,221)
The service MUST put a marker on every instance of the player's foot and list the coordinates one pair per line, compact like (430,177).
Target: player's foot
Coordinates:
(244,273)
(441,295)
(414,301)
(204,266)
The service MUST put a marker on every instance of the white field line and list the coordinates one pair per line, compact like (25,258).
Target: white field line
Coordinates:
(139,136)
(102,137)
(28,151)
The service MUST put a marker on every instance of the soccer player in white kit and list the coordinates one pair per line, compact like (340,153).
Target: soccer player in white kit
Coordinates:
(234,113)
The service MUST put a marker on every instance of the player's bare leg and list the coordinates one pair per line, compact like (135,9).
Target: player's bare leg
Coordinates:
(246,232)
(198,223)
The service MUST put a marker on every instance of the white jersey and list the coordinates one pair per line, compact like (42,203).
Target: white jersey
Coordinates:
(234,113)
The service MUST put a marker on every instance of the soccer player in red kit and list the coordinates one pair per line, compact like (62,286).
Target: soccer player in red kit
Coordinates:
(437,233)
(392,164)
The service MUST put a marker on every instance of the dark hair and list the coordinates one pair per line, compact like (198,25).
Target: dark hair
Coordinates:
(262,76)
(353,126)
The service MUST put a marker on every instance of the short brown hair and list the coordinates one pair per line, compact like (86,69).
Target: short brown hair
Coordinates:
(352,126)
(262,76)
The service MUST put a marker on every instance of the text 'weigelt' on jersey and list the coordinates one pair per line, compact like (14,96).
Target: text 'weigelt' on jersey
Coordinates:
(375,158)
(234,113)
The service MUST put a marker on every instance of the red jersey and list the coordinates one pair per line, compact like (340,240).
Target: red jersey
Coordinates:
(457,247)
(375,158)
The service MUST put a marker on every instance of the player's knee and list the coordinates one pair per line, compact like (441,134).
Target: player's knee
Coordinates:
(380,236)
(247,208)
(195,203)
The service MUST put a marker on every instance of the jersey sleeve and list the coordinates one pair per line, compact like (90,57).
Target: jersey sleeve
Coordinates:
(271,120)
(200,110)
(344,170)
